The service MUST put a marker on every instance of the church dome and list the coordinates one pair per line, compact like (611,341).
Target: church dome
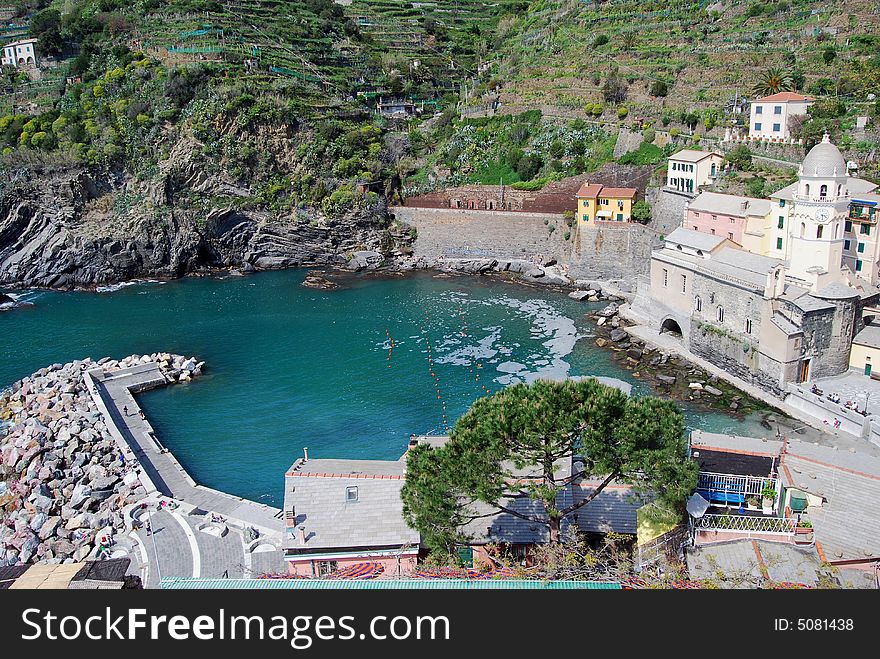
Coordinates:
(824,159)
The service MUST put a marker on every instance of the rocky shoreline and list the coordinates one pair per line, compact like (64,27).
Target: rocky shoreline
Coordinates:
(672,375)
(64,483)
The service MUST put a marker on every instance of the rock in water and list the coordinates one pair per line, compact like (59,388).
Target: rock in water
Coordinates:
(319,283)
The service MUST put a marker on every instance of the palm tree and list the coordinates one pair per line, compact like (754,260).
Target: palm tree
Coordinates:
(773,81)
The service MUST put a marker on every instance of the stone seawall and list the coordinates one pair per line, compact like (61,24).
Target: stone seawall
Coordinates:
(458,233)
(64,478)
(613,251)
(601,253)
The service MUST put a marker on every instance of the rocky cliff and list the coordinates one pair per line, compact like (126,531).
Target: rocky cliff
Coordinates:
(78,228)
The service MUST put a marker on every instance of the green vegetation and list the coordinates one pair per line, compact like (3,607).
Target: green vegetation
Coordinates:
(646,154)
(525,151)
(531,429)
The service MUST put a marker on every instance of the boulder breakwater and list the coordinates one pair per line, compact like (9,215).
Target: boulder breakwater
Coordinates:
(64,480)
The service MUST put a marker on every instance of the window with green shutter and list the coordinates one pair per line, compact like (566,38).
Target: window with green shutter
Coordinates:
(858,266)
(779,243)
(861,248)
(781,223)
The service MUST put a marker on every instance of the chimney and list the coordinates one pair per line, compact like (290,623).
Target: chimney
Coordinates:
(305,454)
(302,535)
(743,205)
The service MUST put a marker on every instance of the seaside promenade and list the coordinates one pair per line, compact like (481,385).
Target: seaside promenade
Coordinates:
(180,543)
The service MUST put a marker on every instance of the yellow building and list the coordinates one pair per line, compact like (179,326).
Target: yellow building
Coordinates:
(865,352)
(598,203)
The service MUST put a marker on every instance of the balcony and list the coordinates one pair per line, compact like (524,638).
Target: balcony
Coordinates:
(862,214)
(745,524)
(732,489)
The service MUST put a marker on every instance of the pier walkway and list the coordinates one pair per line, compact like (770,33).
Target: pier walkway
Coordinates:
(161,472)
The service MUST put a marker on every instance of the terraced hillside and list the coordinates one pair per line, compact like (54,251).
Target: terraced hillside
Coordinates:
(366,46)
(679,56)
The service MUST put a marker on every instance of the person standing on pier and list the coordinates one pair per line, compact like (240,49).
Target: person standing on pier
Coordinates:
(125,410)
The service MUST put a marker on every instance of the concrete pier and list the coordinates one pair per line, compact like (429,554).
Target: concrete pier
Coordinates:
(160,471)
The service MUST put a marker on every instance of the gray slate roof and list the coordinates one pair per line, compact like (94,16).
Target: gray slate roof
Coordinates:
(728,204)
(785,324)
(317,491)
(837,291)
(738,562)
(694,239)
(614,509)
(869,336)
(847,523)
(749,268)
(803,300)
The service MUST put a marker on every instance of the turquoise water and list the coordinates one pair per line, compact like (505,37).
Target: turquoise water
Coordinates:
(290,367)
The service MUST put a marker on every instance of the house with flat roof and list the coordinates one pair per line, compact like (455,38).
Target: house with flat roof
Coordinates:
(738,491)
(770,115)
(787,491)
(689,170)
(600,203)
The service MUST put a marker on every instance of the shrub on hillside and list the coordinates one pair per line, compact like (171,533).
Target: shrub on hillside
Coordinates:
(615,88)
(646,154)
(641,212)
(528,166)
(659,88)
(740,157)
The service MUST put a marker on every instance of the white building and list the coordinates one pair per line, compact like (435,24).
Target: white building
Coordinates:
(770,114)
(20,53)
(825,217)
(689,170)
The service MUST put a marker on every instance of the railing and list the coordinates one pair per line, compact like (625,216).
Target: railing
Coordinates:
(731,484)
(744,524)
(861,215)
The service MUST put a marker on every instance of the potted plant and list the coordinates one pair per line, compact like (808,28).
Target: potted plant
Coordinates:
(768,495)
(753,503)
(804,528)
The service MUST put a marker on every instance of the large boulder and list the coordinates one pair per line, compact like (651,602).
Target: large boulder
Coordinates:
(607,312)
(365,260)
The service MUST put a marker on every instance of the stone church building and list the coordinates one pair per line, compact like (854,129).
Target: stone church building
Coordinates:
(767,320)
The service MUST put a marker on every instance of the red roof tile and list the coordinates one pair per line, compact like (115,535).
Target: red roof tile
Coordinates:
(589,191)
(786,96)
(618,193)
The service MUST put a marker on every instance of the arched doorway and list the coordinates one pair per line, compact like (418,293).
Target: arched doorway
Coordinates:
(671,326)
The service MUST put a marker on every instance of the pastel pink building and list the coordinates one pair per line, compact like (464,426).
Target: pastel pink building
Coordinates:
(724,215)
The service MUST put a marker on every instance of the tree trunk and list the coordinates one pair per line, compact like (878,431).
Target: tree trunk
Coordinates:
(555,524)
